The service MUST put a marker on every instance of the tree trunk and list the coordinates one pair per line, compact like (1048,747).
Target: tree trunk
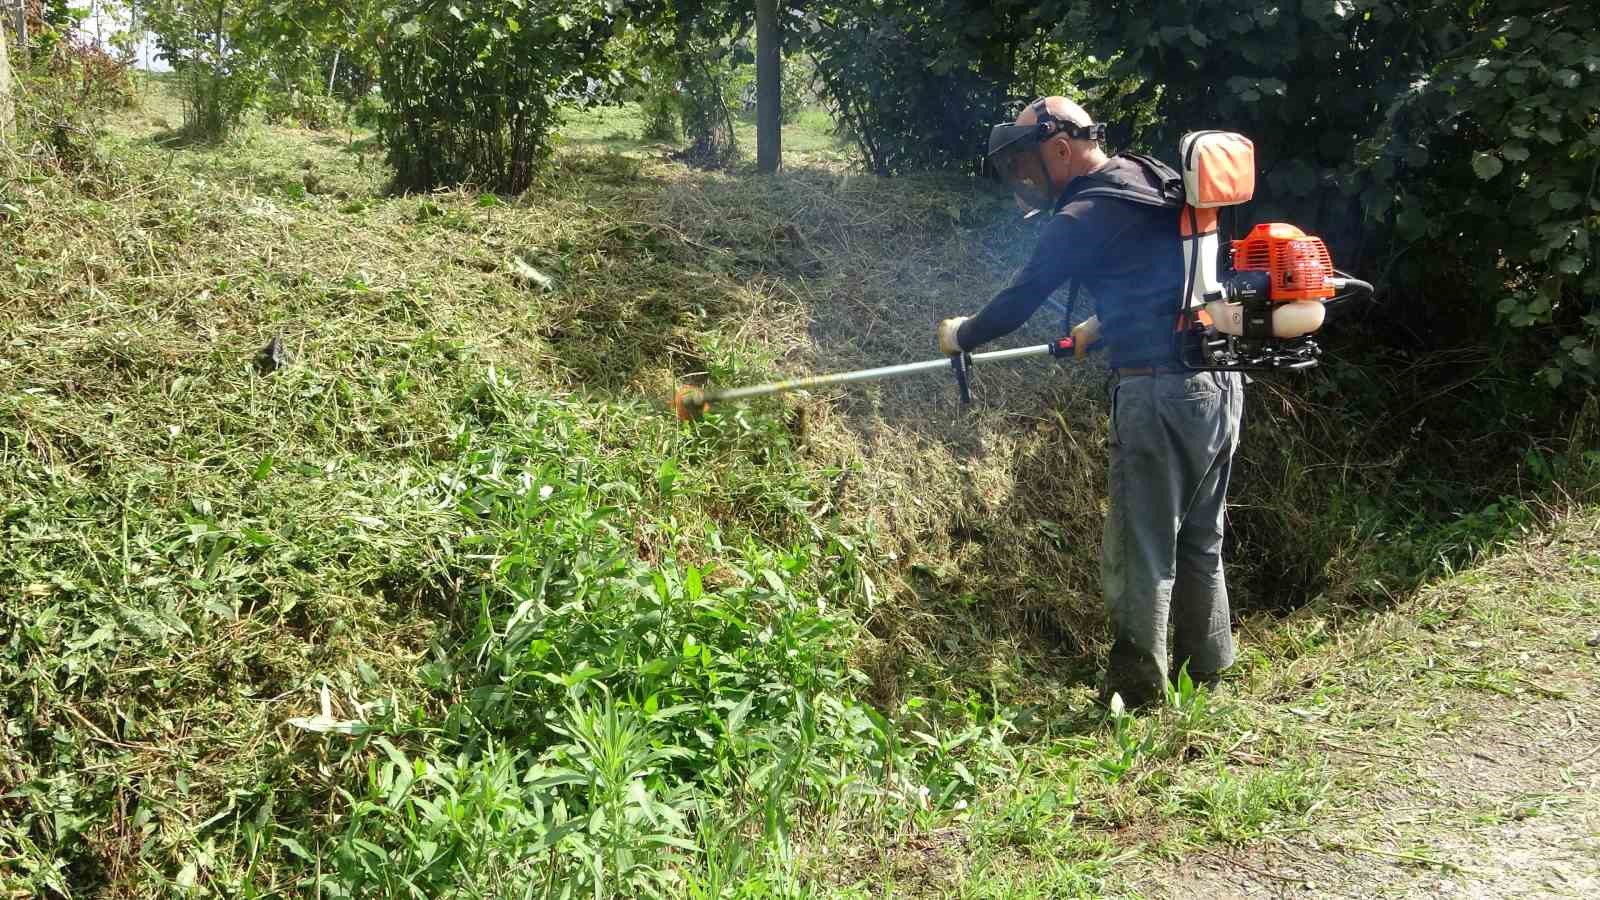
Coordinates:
(8,108)
(21,33)
(769,89)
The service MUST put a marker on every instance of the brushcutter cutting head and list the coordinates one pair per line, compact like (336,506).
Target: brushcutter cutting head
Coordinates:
(690,403)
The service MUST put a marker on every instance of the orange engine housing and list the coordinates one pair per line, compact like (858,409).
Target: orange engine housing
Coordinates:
(1298,263)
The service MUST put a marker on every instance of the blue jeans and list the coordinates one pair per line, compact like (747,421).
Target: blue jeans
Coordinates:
(1172,439)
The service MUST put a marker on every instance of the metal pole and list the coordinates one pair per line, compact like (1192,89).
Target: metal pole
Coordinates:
(798,384)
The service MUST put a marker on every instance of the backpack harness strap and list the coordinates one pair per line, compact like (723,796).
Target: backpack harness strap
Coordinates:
(1170,195)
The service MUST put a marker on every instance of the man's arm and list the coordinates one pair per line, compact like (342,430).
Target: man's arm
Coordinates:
(1067,248)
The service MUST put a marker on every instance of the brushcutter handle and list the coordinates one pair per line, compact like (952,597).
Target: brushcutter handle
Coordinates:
(959,363)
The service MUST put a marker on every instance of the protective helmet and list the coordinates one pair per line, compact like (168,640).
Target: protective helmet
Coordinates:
(1014,154)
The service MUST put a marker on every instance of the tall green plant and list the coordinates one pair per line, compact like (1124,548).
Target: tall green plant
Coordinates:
(213,48)
(703,103)
(474,86)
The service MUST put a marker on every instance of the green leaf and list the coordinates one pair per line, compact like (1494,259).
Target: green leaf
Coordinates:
(294,846)
(656,667)
(1514,152)
(456,11)
(1560,200)
(1487,165)
(565,22)
(736,717)
(1583,356)
(263,468)
(666,474)
(410,29)
(1566,78)
(1571,264)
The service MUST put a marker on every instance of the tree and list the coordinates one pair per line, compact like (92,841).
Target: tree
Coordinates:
(20,17)
(918,83)
(769,88)
(8,108)
(213,46)
(473,87)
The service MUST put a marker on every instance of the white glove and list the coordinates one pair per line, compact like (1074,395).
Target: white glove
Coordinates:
(1086,333)
(949,329)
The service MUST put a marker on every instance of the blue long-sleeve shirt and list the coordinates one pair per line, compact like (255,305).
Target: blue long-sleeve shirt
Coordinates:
(1128,257)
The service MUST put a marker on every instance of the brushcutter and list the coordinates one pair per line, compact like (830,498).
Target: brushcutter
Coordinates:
(692,402)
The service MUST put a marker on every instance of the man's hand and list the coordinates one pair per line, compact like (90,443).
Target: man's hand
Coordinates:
(949,344)
(1086,333)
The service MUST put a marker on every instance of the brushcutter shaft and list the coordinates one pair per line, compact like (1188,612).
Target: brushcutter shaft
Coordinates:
(797,384)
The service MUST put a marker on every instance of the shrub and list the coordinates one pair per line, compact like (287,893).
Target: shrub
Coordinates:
(707,120)
(473,88)
(368,111)
(208,46)
(659,106)
(915,93)
(64,100)
(1486,171)
(310,109)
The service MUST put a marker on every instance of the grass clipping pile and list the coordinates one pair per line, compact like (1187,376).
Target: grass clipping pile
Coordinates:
(991,515)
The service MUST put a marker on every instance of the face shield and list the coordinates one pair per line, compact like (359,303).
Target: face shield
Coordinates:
(1014,152)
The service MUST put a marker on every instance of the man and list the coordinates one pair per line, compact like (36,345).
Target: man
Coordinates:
(1114,230)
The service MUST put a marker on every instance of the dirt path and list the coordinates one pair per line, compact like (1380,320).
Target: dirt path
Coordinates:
(1498,792)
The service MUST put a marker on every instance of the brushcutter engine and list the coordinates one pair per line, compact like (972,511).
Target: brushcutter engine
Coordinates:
(1263,313)
(1262,310)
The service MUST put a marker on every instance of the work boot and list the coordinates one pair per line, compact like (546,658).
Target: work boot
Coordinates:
(1134,674)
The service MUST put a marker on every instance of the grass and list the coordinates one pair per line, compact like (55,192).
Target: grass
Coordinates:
(448,605)
(809,140)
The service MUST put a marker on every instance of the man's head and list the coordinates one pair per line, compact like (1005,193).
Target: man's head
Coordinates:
(1051,142)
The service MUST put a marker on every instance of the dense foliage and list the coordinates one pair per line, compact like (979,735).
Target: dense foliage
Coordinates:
(1488,171)
(473,88)
(918,84)
(564,645)
(212,47)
